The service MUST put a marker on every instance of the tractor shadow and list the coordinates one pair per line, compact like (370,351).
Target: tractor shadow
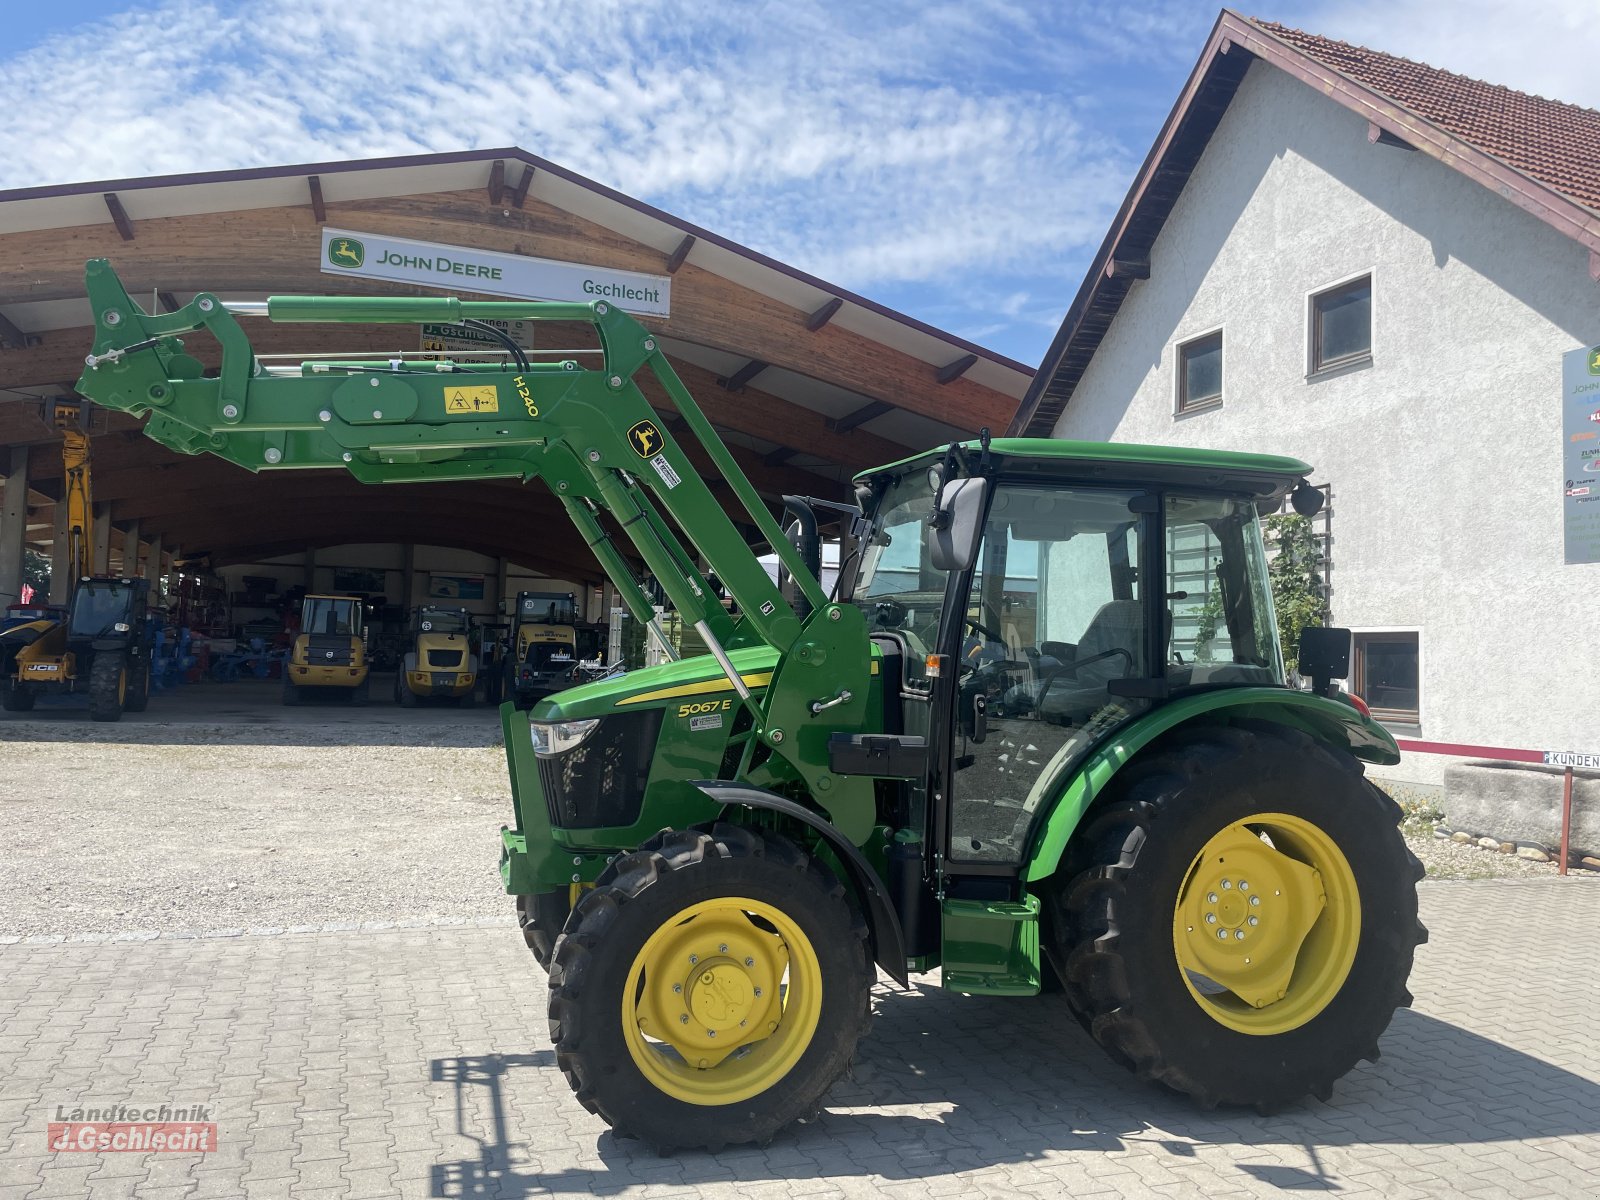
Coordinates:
(947,1084)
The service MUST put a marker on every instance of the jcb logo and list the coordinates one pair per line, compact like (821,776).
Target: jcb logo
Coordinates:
(527,397)
(645,439)
(346,252)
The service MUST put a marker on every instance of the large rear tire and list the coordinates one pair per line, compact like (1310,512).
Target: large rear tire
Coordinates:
(16,697)
(138,682)
(1237,918)
(710,989)
(108,686)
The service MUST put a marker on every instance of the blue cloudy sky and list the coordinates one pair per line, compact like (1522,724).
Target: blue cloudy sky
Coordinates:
(957,160)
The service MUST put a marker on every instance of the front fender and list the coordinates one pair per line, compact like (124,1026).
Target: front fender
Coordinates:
(1327,720)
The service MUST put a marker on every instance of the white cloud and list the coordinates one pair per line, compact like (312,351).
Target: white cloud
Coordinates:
(1546,47)
(866,143)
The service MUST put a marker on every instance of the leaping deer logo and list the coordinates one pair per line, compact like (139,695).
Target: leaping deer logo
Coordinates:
(346,252)
(645,438)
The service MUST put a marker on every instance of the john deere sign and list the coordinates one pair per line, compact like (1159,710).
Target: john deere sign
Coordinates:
(463,269)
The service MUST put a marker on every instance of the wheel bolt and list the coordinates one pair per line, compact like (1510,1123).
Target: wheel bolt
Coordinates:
(1244,885)
(711,1033)
(1226,884)
(1255,900)
(758,991)
(722,949)
(1211,918)
(749,962)
(693,958)
(677,987)
(1222,935)
(1239,934)
(683,1018)
(1255,920)
(1211,897)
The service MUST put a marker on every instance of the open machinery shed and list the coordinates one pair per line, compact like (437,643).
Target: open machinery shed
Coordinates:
(807,382)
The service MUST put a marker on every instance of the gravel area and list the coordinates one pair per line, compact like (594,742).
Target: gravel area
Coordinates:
(273,818)
(166,828)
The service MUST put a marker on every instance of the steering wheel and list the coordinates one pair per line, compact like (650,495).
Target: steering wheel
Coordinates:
(980,627)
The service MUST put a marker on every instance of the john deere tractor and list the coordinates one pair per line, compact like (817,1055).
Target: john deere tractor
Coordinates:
(439,662)
(329,654)
(1040,737)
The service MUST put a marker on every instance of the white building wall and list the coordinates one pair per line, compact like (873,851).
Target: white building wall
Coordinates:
(1444,454)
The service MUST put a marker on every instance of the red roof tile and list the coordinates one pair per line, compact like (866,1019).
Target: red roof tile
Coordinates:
(1557,144)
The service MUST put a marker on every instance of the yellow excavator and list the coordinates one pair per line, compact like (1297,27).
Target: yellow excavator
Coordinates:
(101,649)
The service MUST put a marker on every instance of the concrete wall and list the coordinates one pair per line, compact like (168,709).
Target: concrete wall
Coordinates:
(1444,453)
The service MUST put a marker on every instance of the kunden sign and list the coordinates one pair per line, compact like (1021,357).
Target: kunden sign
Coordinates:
(463,269)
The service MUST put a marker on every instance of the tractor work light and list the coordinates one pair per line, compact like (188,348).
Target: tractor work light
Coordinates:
(551,738)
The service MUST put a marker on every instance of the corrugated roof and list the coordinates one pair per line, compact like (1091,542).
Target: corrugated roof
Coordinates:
(1553,142)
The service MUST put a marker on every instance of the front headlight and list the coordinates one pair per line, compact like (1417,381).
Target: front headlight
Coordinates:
(551,738)
(120,627)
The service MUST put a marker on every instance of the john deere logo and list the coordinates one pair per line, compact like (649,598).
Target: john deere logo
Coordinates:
(645,438)
(346,252)
(1594,361)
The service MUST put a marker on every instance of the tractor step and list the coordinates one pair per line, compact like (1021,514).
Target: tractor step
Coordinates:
(991,947)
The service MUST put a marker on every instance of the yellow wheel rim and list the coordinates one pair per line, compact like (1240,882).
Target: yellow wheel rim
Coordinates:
(1267,924)
(721,1001)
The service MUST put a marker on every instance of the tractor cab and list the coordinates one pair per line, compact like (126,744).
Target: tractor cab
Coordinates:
(439,662)
(98,647)
(330,652)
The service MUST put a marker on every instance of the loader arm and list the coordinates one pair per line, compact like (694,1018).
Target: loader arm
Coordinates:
(588,433)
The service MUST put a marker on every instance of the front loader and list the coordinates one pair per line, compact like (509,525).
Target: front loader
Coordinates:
(328,655)
(99,647)
(1040,736)
(438,662)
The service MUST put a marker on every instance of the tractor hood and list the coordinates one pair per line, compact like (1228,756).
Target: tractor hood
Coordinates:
(687,679)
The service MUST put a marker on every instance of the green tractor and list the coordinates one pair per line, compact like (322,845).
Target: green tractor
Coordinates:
(1041,739)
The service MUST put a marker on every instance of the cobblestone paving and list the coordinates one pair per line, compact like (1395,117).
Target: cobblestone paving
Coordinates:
(414,1062)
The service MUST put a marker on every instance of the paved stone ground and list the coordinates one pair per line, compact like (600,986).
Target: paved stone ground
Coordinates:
(414,1063)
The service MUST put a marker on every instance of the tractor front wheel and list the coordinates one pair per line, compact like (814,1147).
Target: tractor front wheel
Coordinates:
(138,681)
(16,696)
(108,687)
(710,989)
(1237,918)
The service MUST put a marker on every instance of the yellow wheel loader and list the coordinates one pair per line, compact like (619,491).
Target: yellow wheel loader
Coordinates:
(329,653)
(438,662)
(543,647)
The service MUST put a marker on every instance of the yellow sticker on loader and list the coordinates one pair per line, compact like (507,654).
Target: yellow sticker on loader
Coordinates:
(471,400)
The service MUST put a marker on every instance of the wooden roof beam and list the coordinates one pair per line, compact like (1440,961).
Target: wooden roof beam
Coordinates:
(1128,268)
(737,381)
(951,372)
(861,416)
(497,182)
(319,208)
(119,216)
(778,457)
(13,338)
(523,184)
(679,255)
(823,315)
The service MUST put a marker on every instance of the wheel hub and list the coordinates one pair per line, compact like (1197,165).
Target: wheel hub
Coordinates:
(1257,926)
(722,997)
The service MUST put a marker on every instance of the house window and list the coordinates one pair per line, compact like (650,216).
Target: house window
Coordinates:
(1386,674)
(1200,373)
(1341,325)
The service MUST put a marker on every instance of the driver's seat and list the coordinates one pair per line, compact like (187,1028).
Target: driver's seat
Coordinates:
(1118,626)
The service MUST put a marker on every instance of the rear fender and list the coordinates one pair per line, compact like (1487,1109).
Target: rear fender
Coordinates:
(888,942)
(1329,721)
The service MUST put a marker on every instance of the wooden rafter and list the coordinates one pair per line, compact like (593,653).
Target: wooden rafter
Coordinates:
(319,207)
(679,255)
(119,216)
(861,416)
(823,315)
(497,182)
(951,372)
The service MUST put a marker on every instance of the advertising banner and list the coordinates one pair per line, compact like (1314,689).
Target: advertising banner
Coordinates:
(1580,464)
(464,269)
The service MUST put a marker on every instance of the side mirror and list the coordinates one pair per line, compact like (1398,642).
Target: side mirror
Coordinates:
(1324,655)
(953,541)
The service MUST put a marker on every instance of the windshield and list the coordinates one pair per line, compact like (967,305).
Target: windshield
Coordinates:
(549,608)
(897,586)
(442,620)
(328,614)
(99,607)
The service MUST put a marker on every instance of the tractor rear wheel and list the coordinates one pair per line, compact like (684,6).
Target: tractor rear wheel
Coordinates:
(710,989)
(108,686)
(1237,919)
(16,697)
(138,682)
(291,694)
